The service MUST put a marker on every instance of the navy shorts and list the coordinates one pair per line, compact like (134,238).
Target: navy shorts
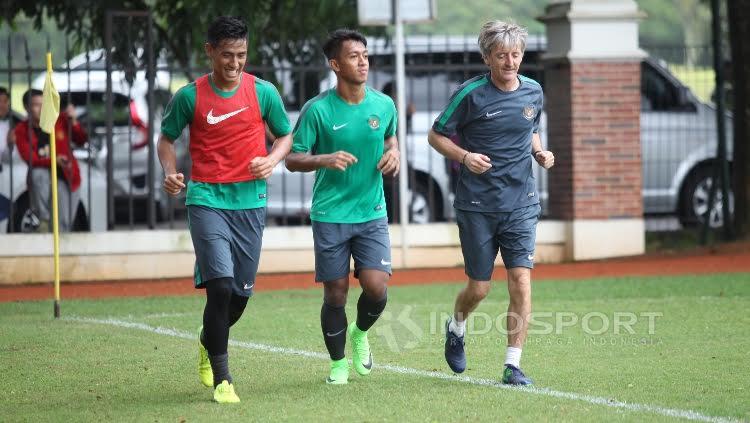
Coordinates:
(482,234)
(227,245)
(368,243)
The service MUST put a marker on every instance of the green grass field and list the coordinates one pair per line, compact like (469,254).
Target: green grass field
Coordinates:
(134,359)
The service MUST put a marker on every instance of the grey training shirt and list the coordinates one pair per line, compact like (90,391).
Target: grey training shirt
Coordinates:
(498,124)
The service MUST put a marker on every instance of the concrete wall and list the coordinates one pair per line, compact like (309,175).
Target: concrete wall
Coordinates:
(27,258)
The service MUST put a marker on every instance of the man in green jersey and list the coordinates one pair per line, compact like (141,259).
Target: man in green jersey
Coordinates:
(347,136)
(226,111)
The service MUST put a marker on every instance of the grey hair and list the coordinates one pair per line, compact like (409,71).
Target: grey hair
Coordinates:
(505,34)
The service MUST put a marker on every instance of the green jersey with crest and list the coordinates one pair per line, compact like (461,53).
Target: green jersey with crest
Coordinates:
(328,124)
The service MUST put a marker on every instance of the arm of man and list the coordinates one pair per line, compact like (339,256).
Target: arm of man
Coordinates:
(262,167)
(277,125)
(177,115)
(390,163)
(447,124)
(174,181)
(545,158)
(24,143)
(475,162)
(306,162)
(79,134)
(301,158)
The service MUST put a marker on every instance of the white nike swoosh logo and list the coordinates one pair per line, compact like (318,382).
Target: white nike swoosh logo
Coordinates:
(369,362)
(337,127)
(493,114)
(384,263)
(248,286)
(334,334)
(213,120)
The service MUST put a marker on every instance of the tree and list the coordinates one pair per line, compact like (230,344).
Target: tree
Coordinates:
(739,36)
(278,28)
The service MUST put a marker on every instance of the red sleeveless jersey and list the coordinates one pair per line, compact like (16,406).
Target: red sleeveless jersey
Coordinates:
(226,133)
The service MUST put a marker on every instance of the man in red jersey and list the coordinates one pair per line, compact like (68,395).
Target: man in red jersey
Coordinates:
(33,146)
(226,198)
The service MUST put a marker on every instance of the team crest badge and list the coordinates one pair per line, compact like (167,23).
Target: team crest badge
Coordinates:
(374,122)
(529,112)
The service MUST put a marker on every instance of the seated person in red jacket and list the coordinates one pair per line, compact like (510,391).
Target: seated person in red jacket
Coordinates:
(33,146)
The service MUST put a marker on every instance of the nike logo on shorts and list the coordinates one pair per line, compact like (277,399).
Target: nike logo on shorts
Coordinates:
(248,285)
(213,120)
(337,127)
(489,115)
(334,334)
(385,263)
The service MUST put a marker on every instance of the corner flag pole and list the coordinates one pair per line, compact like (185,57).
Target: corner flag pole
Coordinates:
(47,120)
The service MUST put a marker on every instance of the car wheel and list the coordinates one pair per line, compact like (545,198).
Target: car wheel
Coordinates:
(694,200)
(419,199)
(420,205)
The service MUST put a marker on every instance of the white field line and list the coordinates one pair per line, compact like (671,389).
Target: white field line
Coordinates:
(612,403)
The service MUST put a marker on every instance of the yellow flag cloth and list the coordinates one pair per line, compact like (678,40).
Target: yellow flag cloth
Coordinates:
(50,105)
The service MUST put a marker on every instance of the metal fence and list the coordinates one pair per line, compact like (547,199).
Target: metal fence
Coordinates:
(678,132)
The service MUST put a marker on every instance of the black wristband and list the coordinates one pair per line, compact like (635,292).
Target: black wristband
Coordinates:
(463,159)
(533,154)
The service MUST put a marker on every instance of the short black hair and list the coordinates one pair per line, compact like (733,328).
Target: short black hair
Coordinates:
(226,28)
(332,46)
(4,90)
(28,94)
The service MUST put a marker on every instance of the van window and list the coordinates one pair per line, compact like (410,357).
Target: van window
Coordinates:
(95,112)
(659,94)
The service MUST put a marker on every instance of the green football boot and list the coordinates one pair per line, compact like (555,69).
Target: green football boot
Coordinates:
(361,355)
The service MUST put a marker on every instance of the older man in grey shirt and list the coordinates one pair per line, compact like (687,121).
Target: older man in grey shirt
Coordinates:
(497,207)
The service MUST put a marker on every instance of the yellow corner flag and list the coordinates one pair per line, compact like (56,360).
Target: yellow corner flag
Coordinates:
(50,101)
(47,120)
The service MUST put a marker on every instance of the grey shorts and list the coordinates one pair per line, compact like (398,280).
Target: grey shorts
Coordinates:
(482,234)
(368,243)
(227,245)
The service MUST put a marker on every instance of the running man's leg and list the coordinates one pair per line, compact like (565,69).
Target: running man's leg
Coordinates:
(371,250)
(479,247)
(211,237)
(332,254)
(517,241)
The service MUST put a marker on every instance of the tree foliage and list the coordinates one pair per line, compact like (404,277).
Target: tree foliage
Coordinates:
(278,28)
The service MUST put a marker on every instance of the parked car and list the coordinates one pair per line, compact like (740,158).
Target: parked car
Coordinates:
(90,215)
(86,87)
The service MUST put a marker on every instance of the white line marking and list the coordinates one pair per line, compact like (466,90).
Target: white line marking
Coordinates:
(669,412)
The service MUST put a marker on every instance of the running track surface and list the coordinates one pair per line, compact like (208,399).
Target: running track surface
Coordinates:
(732,258)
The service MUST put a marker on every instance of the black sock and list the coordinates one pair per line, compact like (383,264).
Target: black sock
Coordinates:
(216,315)
(333,322)
(220,367)
(368,310)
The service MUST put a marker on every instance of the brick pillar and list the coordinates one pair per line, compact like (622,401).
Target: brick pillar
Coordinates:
(592,92)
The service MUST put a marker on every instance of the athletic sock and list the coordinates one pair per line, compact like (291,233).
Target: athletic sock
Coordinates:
(216,315)
(333,322)
(513,357)
(220,367)
(457,327)
(368,311)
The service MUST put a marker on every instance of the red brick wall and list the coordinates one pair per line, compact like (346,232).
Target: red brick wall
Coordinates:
(593,111)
